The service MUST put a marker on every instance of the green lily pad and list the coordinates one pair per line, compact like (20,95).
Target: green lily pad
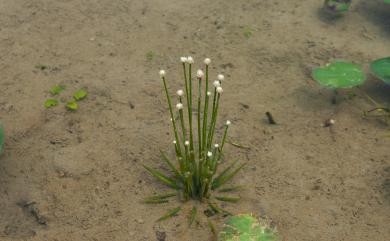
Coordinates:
(246,228)
(387,1)
(339,74)
(1,137)
(381,69)
(79,95)
(72,105)
(50,103)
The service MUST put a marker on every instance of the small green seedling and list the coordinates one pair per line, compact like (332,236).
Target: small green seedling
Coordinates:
(381,69)
(57,89)
(50,103)
(79,95)
(150,55)
(248,32)
(337,6)
(72,105)
(41,66)
(245,227)
(1,138)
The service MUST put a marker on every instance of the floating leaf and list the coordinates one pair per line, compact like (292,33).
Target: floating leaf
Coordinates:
(387,1)
(339,75)
(50,103)
(57,89)
(1,137)
(72,105)
(381,69)
(80,94)
(246,228)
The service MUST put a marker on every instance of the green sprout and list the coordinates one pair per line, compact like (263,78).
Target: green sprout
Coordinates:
(381,69)
(79,95)
(57,89)
(1,138)
(245,227)
(198,154)
(150,55)
(50,103)
(247,31)
(72,105)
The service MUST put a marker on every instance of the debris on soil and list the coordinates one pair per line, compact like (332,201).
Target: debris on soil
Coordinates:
(270,118)
(32,209)
(329,123)
(161,236)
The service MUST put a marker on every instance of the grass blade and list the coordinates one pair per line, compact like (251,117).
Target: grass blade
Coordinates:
(171,166)
(231,189)
(212,227)
(217,209)
(192,216)
(227,199)
(162,196)
(169,214)
(168,181)
(155,201)
(223,178)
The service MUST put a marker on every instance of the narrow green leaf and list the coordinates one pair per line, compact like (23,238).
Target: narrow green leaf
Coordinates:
(79,95)
(218,209)
(226,177)
(169,214)
(227,199)
(231,189)
(171,166)
(50,103)
(156,201)
(163,196)
(224,172)
(192,217)
(72,105)
(212,227)
(168,181)
(57,89)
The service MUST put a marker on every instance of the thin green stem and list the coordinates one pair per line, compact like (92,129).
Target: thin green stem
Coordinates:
(205,113)
(214,121)
(192,155)
(178,146)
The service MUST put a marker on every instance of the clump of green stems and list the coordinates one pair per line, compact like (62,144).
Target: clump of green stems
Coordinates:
(194,123)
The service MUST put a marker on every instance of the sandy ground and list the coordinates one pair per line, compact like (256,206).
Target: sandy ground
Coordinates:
(80,173)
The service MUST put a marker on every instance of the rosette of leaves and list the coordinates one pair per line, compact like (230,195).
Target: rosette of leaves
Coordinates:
(381,69)
(246,227)
(337,6)
(339,74)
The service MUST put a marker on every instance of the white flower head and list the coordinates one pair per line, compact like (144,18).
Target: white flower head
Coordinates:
(208,93)
(162,73)
(179,106)
(187,143)
(219,89)
(216,145)
(180,92)
(216,83)
(174,142)
(228,123)
(171,119)
(199,73)
(207,61)
(221,77)
(190,60)
(209,154)
(183,59)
